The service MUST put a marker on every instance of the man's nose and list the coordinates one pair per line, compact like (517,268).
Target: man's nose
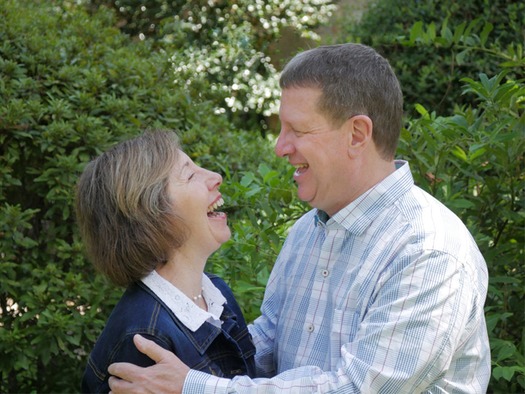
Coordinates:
(283,146)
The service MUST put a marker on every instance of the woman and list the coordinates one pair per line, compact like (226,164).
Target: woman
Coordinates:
(147,216)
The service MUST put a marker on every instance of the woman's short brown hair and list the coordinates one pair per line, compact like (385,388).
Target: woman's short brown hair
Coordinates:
(123,209)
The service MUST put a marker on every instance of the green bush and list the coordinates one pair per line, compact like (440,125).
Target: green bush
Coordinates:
(220,49)
(430,74)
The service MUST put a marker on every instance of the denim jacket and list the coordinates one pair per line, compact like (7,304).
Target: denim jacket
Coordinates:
(223,351)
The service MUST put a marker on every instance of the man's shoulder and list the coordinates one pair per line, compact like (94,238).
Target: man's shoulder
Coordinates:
(422,204)
(435,225)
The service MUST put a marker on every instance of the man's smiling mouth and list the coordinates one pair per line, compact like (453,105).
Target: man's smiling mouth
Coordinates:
(300,168)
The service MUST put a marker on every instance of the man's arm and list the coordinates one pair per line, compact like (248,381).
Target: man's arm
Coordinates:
(166,376)
(169,375)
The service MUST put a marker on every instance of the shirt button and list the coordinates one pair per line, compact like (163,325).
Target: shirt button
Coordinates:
(310,327)
(325,273)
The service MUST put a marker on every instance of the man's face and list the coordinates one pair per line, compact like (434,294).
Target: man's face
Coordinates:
(316,148)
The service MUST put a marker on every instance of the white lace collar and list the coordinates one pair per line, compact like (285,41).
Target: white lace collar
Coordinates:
(183,307)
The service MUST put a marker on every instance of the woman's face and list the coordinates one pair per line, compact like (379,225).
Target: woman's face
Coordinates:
(194,195)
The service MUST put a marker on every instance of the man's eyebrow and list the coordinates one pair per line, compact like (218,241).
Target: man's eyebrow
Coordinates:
(310,129)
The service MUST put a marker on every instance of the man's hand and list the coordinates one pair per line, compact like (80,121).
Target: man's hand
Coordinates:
(166,376)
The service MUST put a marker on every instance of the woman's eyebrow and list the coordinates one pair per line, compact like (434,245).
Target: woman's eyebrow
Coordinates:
(183,167)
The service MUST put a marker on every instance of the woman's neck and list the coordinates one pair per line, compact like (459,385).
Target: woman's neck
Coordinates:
(185,274)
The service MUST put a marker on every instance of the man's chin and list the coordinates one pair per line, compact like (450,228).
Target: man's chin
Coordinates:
(306,197)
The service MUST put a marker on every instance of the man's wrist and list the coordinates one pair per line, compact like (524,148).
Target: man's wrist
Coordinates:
(198,382)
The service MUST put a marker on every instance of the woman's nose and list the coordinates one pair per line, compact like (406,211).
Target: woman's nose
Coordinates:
(215,179)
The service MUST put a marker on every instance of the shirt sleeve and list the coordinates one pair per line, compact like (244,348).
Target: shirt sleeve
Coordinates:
(404,343)
(298,380)
(262,332)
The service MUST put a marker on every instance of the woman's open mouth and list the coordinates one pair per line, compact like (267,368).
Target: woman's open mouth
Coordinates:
(214,206)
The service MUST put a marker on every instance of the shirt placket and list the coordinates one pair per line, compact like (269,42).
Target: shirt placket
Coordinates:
(321,291)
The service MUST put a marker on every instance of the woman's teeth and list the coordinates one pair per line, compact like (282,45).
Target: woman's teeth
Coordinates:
(215,205)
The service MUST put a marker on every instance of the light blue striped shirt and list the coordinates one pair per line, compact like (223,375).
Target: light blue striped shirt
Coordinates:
(386,296)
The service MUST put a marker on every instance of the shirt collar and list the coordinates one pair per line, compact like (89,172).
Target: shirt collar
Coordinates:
(182,306)
(358,215)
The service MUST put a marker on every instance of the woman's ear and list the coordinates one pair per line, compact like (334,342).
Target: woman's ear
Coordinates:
(360,128)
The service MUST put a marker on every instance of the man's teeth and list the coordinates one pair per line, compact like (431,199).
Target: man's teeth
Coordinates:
(216,205)
(300,168)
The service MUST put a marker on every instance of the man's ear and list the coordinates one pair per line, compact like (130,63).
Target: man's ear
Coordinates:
(360,128)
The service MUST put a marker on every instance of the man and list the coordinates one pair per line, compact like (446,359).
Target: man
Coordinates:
(379,288)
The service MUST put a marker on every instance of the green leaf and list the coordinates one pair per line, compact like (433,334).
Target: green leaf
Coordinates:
(431,31)
(421,110)
(460,57)
(416,32)
(459,153)
(487,28)
(446,33)
(503,372)
(460,203)
(247,179)
(477,150)
(505,352)
(458,32)
(494,319)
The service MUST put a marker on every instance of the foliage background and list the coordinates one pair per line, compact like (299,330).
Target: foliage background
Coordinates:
(78,76)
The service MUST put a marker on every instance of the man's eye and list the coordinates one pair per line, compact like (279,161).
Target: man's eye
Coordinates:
(191,176)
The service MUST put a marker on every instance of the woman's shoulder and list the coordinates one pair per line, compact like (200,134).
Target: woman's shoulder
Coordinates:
(137,297)
(137,312)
